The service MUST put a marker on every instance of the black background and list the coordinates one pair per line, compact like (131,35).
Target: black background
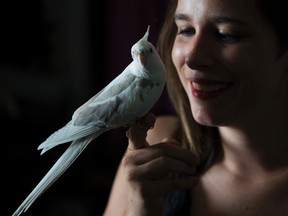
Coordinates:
(55,55)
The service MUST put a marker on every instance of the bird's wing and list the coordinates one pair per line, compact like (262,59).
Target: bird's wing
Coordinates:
(110,90)
(107,103)
(66,134)
(92,116)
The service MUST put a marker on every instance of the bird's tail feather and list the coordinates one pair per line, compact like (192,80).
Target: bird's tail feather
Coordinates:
(68,157)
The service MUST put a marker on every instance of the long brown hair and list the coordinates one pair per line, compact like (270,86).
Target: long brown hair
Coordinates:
(199,139)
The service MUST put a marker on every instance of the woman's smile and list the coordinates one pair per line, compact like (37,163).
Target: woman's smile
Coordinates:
(207,89)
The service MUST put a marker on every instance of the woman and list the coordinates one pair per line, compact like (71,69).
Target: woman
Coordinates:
(226,152)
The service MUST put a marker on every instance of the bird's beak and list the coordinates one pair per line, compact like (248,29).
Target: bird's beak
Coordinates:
(142,58)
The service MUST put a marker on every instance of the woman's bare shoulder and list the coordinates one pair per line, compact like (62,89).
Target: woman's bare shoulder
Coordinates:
(165,127)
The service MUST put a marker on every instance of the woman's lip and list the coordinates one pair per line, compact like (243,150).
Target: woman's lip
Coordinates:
(207,89)
(208,81)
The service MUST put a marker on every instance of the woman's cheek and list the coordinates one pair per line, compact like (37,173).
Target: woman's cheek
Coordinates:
(176,55)
(178,59)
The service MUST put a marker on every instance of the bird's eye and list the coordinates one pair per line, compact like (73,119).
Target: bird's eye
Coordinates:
(151,50)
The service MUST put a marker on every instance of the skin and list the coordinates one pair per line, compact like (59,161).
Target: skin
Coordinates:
(250,174)
(143,175)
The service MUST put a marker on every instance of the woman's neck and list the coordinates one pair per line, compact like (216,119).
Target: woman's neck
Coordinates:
(256,149)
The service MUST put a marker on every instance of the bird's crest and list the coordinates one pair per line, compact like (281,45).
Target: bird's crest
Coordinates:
(145,37)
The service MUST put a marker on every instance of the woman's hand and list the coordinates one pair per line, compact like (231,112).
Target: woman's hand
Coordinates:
(148,168)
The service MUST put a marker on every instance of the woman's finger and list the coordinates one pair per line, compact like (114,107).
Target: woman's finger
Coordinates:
(157,168)
(138,132)
(161,150)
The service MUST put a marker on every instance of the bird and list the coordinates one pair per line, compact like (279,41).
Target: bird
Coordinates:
(128,97)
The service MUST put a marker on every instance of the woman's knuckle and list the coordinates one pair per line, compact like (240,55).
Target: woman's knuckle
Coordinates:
(130,175)
(128,159)
(163,161)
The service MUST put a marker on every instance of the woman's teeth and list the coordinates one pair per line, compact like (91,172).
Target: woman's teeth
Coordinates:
(208,87)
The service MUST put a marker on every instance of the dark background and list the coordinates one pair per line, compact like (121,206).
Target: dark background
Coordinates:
(55,55)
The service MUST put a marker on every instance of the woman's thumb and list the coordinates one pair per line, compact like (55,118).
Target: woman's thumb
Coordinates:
(138,132)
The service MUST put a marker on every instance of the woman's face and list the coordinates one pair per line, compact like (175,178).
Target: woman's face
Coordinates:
(226,55)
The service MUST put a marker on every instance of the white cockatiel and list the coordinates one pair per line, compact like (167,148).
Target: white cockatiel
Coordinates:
(124,100)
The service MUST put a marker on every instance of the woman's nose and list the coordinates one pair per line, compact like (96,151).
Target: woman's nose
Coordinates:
(200,53)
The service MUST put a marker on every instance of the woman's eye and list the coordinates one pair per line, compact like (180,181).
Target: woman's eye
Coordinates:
(228,37)
(186,31)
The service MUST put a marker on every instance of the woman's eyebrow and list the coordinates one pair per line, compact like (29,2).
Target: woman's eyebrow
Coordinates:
(181,16)
(216,19)
(223,19)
